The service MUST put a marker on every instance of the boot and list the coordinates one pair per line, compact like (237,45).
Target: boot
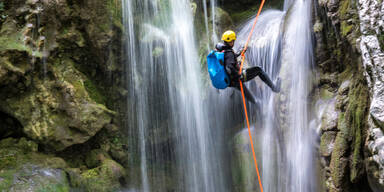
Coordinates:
(275,87)
(248,95)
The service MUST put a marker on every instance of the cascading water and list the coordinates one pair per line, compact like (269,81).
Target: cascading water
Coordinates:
(205,9)
(282,42)
(297,60)
(169,125)
(211,34)
(213,16)
(265,51)
(180,130)
(140,118)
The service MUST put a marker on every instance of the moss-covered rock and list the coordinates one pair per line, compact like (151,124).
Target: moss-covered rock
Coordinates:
(243,168)
(47,51)
(22,168)
(59,112)
(327,142)
(95,157)
(103,178)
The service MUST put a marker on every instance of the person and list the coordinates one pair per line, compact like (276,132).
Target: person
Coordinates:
(232,67)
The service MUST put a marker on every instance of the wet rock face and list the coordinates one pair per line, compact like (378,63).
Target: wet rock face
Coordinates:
(375,156)
(51,55)
(35,178)
(102,178)
(22,168)
(353,29)
(372,50)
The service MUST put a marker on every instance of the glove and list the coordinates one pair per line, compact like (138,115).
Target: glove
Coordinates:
(242,49)
(243,76)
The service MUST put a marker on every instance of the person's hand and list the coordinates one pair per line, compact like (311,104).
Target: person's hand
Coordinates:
(243,49)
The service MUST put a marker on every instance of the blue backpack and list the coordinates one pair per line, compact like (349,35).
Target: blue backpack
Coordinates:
(216,70)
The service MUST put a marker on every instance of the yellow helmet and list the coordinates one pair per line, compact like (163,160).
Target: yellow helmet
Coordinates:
(228,36)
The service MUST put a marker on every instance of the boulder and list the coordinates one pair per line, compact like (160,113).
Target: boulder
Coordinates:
(370,44)
(22,168)
(59,112)
(47,65)
(103,178)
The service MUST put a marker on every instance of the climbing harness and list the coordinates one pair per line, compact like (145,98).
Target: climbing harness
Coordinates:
(242,92)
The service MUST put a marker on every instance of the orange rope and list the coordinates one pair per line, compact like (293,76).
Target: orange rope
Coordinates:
(249,36)
(242,93)
(250,137)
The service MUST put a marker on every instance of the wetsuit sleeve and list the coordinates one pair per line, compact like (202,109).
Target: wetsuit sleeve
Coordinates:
(231,64)
(238,54)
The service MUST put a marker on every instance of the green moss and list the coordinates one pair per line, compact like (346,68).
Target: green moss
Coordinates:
(344,9)
(115,10)
(80,88)
(347,73)
(7,176)
(357,116)
(16,155)
(238,17)
(90,173)
(54,188)
(345,28)
(101,178)
(240,13)
(1,6)
(325,94)
(12,43)
(338,160)
(381,40)
(327,138)
(94,92)
(12,39)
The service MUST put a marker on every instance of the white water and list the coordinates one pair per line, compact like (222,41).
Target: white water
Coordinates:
(179,130)
(170,115)
(140,117)
(211,33)
(265,51)
(282,42)
(299,57)
(205,9)
(214,20)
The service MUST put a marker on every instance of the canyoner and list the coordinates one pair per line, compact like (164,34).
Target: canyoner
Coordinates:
(225,71)
(234,75)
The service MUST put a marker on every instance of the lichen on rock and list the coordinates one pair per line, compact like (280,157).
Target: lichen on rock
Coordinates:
(22,168)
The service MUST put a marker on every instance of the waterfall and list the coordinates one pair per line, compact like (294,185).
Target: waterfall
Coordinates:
(167,115)
(139,116)
(213,16)
(282,46)
(180,130)
(298,60)
(265,51)
(211,34)
(206,21)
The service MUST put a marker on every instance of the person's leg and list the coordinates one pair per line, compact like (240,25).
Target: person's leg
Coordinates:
(253,72)
(248,95)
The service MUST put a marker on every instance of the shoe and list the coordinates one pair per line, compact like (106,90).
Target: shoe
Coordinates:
(277,86)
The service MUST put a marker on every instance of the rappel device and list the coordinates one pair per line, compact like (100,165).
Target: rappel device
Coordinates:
(216,70)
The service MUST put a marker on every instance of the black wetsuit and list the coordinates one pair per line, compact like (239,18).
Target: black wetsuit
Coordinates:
(232,68)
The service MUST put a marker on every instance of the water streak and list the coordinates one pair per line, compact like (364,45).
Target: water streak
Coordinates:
(165,85)
(282,45)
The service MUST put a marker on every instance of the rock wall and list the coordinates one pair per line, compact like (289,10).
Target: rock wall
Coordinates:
(350,60)
(62,95)
(371,44)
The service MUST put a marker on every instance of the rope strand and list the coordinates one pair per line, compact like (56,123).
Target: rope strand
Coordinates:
(242,93)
